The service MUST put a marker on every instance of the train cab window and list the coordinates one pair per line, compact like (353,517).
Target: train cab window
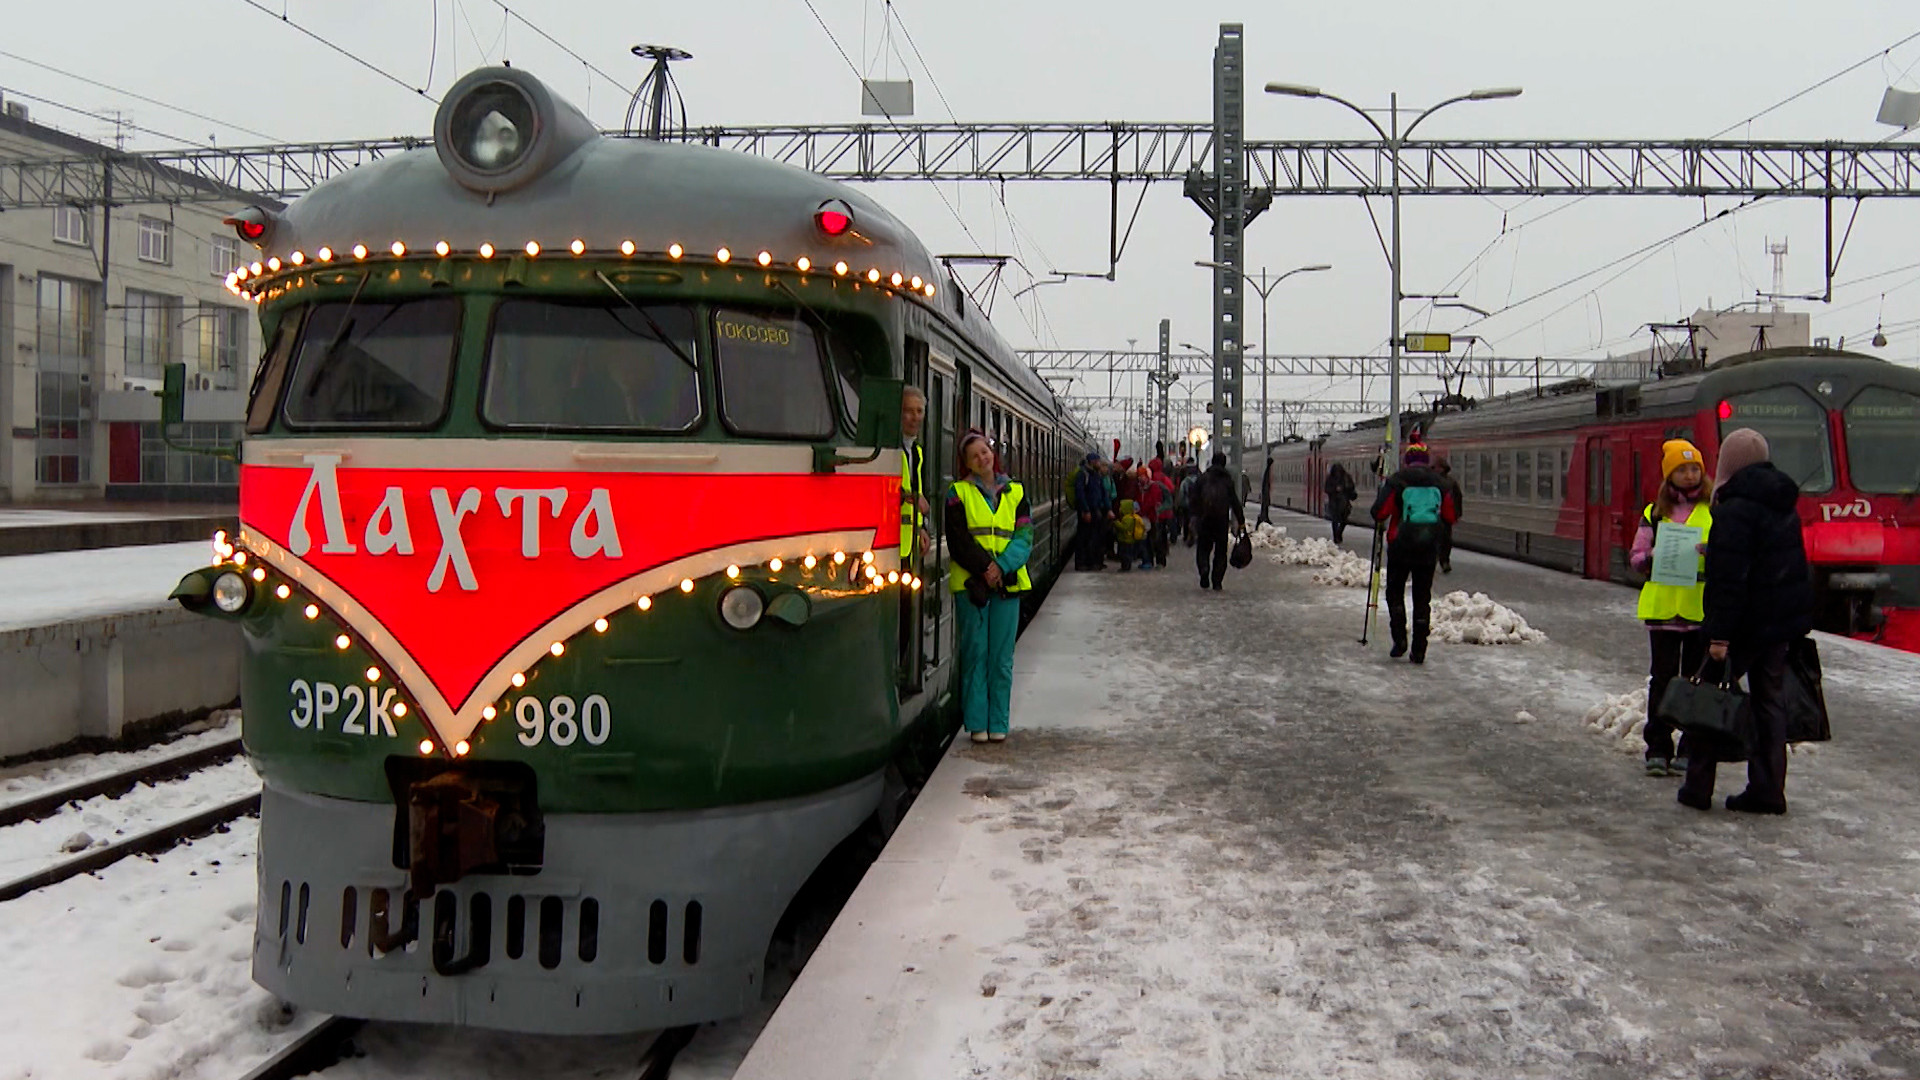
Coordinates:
(591,366)
(374,365)
(1544,474)
(1795,427)
(771,382)
(1883,441)
(264,400)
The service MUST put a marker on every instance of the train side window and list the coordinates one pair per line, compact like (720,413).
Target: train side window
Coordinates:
(1469,472)
(1544,475)
(374,365)
(1795,427)
(1486,474)
(770,377)
(1523,475)
(264,400)
(1566,470)
(1503,474)
(591,366)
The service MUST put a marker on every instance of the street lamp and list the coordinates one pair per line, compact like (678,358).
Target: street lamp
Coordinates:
(1394,140)
(1264,288)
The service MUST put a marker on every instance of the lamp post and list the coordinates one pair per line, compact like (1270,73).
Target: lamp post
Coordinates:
(1394,140)
(1264,288)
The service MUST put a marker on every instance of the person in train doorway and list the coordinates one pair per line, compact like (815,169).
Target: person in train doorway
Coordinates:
(1266,494)
(1673,613)
(1340,493)
(1452,488)
(1096,513)
(1759,604)
(1415,508)
(1216,499)
(989,536)
(914,539)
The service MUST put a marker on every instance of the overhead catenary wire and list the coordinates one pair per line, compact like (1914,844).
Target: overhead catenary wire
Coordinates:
(102,117)
(348,53)
(556,43)
(139,97)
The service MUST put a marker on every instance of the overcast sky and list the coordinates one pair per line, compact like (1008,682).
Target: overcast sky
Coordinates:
(1623,69)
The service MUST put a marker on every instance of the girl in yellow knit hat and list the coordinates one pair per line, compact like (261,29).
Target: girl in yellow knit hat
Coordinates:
(1673,611)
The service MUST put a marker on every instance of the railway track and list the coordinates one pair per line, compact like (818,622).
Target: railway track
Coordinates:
(146,842)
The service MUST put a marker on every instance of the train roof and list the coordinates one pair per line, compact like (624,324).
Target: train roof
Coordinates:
(571,182)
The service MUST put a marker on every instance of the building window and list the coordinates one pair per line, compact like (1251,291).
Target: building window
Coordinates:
(223,257)
(223,340)
(70,225)
(151,323)
(163,464)
(156,240)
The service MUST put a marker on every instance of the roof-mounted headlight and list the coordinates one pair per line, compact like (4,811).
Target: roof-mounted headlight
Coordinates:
(500,128)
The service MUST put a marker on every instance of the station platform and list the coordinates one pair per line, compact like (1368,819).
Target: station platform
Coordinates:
(1225,840)
(34,530)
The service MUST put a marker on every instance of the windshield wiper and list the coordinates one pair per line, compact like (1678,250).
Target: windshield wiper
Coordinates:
(658,333)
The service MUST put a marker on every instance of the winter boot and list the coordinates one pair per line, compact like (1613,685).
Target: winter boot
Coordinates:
(1659,766)
(1746,803)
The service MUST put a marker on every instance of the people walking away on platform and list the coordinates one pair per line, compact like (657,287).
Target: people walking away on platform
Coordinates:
(1452,488)
(1266,493)
(1130,533)
(1158,510)
(989,535)
(1127,483)
(1112,485)
(1340,494)
(1216,501)
(1758,604)
(1096,513)
(1415,508)
(1183,509)
(1672,612)
(1159,462)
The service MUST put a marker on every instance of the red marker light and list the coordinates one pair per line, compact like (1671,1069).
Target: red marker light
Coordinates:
(252,230)
(834,217)
(1726,410)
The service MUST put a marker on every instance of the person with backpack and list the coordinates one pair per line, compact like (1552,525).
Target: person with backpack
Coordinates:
(1340,494)
(1158,507)
(1183,502)
(1095,509)
(1673,614)
(1415,508)
(1216,499)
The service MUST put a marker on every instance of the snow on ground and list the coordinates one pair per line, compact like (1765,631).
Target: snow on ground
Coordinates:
(1336,565)
(101,821)
(1477,620)
(65,585)
(28,779)
(31,517)
(140,972)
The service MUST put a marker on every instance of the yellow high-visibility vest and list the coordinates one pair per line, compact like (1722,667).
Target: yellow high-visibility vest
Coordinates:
(1660,602)
(992,529)
(910,469)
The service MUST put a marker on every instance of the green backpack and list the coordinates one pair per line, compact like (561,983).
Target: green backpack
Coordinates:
(1419,517)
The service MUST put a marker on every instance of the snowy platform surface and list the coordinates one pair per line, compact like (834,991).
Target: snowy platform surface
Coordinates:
(30,517)
(1225,840)
(36,590)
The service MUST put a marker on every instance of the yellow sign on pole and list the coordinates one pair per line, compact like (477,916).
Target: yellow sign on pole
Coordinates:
(1429,343)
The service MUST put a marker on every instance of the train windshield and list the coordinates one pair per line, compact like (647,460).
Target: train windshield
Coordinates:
(366,364)
(772,382)
(1883,441)
(609,366)
(1795,427)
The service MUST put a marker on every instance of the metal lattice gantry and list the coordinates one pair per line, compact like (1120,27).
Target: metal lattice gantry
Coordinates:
(1115,151)
(1089,362)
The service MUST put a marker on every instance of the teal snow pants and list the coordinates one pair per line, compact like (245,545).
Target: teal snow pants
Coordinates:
(986,661)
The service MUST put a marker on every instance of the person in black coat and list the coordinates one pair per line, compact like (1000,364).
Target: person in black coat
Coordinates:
(1341,493)
(1759,601)
(1217,499)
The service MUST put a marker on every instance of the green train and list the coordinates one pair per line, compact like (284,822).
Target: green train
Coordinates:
(577,630)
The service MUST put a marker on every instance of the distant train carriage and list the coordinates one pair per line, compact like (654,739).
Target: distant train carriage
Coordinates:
(1559,476)
(570,571)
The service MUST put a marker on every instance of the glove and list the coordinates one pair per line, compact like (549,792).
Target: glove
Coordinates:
(978,591)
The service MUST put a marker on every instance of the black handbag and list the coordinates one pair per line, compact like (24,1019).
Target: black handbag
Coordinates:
(1241,556)
(1803,700)
(1717,712)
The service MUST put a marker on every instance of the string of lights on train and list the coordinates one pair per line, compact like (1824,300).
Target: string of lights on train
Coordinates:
(241,584)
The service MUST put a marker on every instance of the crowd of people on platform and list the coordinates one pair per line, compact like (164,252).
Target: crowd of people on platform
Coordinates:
(1133,514)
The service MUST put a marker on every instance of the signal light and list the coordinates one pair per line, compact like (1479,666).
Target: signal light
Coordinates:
(1726,410)
(834,217)
(251,230)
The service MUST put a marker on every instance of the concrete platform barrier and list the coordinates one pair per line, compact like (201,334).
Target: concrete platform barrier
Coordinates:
(96,676)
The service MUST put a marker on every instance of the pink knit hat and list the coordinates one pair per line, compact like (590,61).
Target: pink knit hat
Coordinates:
(1738,450)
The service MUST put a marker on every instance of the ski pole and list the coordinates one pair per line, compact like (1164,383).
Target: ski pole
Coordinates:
(1373,583)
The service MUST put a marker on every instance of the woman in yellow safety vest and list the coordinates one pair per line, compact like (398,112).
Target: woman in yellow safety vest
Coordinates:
(1673,612)
(989,535)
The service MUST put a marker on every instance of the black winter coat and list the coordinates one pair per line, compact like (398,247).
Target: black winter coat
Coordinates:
(1759,588)
(1217,498)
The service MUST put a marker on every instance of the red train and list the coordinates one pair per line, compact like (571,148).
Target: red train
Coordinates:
(1558,476)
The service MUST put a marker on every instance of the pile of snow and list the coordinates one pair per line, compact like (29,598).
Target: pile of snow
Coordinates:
(1620,719)
(1347,569)
(1336,565)
(1477,620)
(1266,535)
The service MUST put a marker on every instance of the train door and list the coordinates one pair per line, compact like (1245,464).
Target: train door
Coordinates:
(912,658)
(943,414)
(1599,508)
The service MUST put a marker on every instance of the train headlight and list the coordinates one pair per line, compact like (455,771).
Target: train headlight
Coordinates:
(499,128)
(231,592)
(741,607)
(493,127)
